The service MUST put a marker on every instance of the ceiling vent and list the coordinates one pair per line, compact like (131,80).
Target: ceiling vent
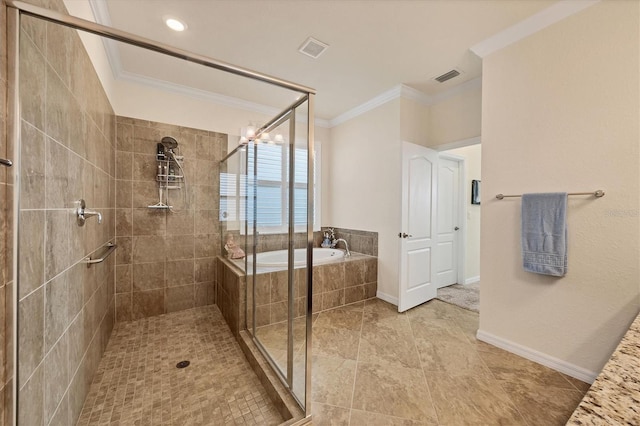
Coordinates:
(447,76)
(312,47)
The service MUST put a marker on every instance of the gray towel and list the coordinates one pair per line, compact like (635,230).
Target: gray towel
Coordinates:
(544,233)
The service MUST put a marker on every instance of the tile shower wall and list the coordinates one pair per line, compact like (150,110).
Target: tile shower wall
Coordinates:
(166,260)
(6,207)
(65,309)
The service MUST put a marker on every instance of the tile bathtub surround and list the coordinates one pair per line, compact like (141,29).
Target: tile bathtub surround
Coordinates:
(138,382)
(375,366)
(65,310)
(272,242)
(167,260)
(334,284)
(365,242)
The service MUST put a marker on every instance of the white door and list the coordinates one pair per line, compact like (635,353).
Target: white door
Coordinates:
(417,236)
(448,222)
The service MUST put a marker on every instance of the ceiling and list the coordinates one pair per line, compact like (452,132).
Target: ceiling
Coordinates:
(374,45)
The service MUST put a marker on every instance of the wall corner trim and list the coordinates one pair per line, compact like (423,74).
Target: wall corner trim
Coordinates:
(531,25)
(538,357)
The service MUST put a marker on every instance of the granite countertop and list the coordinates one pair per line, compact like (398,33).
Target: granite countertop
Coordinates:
(614,398)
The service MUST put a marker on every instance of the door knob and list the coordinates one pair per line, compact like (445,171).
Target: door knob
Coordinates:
(456,228)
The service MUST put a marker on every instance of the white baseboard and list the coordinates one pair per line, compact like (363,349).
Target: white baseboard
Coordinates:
(472,280)
(387,298)
(539,357)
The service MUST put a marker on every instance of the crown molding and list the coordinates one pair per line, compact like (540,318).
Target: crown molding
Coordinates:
(101,16)
(191,92)
(205,95)
(373,103)
(531,25)
(415,95)
(402,91)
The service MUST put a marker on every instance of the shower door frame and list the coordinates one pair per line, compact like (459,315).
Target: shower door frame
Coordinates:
(288,115)
(15,9)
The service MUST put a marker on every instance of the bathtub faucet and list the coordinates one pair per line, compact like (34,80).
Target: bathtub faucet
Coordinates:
(346,246)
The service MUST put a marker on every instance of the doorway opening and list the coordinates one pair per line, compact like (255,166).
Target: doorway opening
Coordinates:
(458,255)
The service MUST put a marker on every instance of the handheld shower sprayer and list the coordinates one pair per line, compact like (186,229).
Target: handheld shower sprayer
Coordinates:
(169,142)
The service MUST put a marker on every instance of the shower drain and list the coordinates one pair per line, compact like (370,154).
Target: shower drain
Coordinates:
(182,364)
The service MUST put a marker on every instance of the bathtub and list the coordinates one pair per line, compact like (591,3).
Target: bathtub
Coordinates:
(280,258)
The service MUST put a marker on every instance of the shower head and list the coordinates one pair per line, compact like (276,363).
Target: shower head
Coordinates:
(169,142)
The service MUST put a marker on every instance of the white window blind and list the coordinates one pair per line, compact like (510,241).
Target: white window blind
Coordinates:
(271,190)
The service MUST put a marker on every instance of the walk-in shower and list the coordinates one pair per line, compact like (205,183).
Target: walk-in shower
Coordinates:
(69,143)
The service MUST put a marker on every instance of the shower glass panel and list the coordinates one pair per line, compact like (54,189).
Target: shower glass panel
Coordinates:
(264,207)
(68,140)
(233,195)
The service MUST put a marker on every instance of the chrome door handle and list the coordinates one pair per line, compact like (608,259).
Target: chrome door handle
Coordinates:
(5,162)
(404,235)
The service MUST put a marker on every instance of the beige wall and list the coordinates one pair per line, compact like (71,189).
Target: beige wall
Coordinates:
(414,122)
(65,310)
(364,184)
(456,118)
(472,155)
(560,113)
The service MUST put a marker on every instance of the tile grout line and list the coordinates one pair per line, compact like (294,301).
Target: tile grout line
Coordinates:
(511,402)
(355,373)
(424,375)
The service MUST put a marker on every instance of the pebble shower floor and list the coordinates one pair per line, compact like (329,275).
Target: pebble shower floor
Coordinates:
(137,382)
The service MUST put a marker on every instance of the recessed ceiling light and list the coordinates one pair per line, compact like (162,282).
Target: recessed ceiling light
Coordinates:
(175,24)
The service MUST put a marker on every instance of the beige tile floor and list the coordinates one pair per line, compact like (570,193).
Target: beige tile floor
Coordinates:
(371,366)
(137,382)
(374,366)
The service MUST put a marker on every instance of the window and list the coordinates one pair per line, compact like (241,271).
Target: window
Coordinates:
(271,190)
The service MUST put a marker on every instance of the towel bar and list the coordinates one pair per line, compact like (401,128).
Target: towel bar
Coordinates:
(110,249)
(598,193)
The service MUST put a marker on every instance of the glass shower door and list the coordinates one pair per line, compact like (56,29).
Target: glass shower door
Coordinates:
(277,224)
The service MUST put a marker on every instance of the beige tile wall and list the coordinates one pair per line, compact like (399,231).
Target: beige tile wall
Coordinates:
(365,242)
(166,260)
(65,310)
(270,242)
(334,284)
(231,295)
